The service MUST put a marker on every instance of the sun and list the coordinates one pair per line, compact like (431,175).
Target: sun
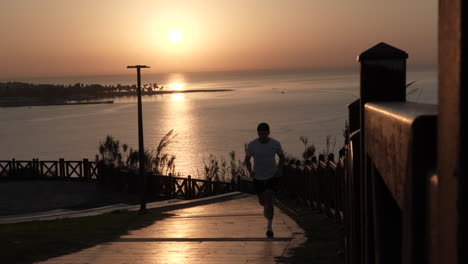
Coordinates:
(174,36)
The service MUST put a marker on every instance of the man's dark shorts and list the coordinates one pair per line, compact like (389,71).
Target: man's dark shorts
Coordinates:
(261,185)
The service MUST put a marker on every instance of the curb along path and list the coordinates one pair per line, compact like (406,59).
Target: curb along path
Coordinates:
(65,213)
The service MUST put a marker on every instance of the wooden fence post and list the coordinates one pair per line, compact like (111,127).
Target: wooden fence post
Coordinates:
(210,187)
(171,186)
(13,168)
(35,167)
(86,169)
(188,188)
(41,168)
(449,219)
(61,168)
(383,78)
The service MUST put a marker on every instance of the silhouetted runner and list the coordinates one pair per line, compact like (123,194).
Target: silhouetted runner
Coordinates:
(265,172)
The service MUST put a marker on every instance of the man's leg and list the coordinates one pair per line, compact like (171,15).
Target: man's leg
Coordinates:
(261,198)
(265,198)
(259,187)
(268,210)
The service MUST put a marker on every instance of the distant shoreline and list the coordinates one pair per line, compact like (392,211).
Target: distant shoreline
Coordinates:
(38,101)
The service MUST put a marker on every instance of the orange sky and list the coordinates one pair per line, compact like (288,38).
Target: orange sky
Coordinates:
(94,37)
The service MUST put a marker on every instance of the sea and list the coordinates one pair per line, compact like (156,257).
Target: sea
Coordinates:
(295,103)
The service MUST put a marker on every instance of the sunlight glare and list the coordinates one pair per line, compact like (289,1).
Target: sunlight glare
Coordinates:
(176,86)
(174,36)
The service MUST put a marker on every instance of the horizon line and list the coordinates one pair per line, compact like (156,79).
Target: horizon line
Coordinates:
(318,69)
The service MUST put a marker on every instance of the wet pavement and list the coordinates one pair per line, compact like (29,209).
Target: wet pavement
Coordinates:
(231,231)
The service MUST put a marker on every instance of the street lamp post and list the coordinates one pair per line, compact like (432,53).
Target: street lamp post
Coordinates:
(141,156)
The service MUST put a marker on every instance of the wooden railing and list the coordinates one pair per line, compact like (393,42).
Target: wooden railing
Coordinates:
(162,185)
(61,169)
(387,197)
(391,156)
(116,178)
(320,185)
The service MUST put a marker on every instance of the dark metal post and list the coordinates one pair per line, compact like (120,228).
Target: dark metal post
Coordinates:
(141,156)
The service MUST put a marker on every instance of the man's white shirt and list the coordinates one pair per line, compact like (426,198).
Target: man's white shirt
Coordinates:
(264,157)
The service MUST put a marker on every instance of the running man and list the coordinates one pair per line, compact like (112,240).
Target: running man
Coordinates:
(265,172)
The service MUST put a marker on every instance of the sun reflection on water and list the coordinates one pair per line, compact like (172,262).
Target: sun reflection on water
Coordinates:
(177,86)
(177,112)
(176,82)
(177,97)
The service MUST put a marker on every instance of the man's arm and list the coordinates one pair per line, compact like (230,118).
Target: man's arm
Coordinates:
(281,161)
(279,173)
(248,165)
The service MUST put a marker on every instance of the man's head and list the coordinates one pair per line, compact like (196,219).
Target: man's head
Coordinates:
(263,131)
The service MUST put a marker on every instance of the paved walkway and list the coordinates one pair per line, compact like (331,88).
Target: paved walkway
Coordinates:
(231,231)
